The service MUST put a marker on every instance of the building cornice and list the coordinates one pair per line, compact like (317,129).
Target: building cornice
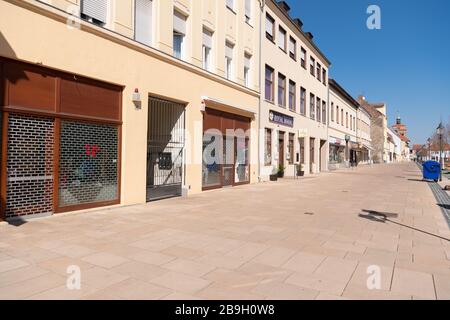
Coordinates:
(338,89)
(295,27)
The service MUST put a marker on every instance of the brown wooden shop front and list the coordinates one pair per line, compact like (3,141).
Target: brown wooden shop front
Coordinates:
(61,138)
(226,143)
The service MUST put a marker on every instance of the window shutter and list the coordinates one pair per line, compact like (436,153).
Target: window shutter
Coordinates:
(229,50)
(292,46)
(282,39)
(248,8)
(179,22)
(247,61)
(96,9)
(207,38)
(143,23)
(269,26)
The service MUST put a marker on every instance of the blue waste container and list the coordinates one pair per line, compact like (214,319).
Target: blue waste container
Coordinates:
(431,170)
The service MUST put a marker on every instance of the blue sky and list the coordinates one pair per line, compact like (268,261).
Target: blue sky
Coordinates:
(405,64)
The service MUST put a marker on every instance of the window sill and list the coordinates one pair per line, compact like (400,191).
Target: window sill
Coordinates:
(271,40)
(269,101)
(232,10)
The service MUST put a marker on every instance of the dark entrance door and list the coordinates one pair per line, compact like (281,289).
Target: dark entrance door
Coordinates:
(228,161)
(281,148)
(165,149)
(225,160)
(312,141)
(322,154)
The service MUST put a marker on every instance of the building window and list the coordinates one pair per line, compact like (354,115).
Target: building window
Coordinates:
(269,86)
(282,39)
(95,11)
(319,72)
(229,48)
(248,11)
(207,48)
(143,21)
(303,58)
(332,112)
(342,117)
(230,4)
(351,122)
(324,76)
(337,114)
(318,112)
(312,107)
(291,148)
(247,65)
(270,28)
(281,90)
(302,150)
(268,148)
(292,95)
(293,48)
(179,32)
(324,112)
(312,66)
(346,119)
(302,101)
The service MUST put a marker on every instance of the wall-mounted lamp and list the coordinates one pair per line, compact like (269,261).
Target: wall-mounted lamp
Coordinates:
(137,98)
(203,106)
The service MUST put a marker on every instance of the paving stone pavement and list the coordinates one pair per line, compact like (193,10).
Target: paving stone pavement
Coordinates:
(250,242)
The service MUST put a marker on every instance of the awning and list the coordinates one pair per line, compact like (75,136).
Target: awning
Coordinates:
(368,147)
(226,106)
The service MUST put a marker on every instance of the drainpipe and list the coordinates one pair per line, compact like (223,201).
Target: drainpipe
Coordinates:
(262,3)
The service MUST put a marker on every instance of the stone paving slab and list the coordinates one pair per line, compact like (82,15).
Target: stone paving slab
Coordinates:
(293,239)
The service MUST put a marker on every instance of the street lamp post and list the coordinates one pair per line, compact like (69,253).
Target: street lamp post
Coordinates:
(440,132)
(429,149)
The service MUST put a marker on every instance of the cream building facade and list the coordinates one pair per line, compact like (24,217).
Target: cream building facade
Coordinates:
(378,129)
(342,127)
(364,137)
(294,78)
(171,69)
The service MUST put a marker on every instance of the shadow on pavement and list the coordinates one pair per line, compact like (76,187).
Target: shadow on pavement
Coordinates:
(383,217)
(16,222)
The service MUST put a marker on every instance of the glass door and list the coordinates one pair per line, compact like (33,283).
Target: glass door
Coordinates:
(228,161)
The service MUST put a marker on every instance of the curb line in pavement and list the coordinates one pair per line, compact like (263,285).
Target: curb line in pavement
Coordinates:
(442,198)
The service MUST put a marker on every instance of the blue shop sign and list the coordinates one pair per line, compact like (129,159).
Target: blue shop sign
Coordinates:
(281,119)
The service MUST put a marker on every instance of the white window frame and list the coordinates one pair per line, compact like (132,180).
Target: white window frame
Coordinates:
(137,32)
(229,57)
(270,26)
(248,11)
(87,9)
(247,69)
(180,29)
(282,38)
(293,47)
(230,4)
(207,49)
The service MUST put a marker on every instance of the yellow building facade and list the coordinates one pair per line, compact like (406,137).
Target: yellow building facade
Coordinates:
(192,63)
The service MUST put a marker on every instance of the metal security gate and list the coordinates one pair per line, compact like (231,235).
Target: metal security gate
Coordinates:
(165,149)
(29,166)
